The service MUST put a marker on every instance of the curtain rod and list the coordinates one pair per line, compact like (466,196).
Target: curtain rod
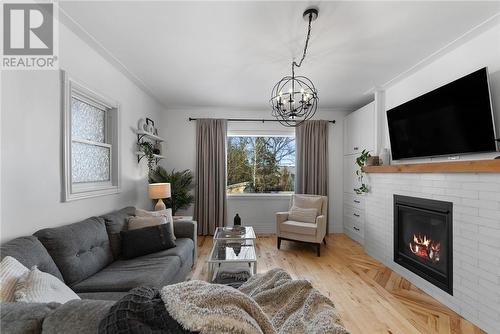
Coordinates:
(251,120)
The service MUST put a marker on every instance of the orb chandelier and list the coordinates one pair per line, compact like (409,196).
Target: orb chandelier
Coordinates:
(294,99)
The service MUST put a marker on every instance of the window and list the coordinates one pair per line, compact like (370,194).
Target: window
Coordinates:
(260,164)
(91,162)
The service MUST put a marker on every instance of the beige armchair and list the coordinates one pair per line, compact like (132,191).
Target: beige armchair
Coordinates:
(301,223)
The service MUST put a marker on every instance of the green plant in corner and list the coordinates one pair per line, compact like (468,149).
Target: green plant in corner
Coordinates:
(147,148)
(361,161)
(181,184)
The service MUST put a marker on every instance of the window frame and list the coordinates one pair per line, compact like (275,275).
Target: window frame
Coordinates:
(259,133)
(74,191)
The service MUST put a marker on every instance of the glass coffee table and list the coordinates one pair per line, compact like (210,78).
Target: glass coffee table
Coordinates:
(232,248)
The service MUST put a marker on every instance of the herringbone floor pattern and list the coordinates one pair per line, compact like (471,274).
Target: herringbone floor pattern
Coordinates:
(370,297)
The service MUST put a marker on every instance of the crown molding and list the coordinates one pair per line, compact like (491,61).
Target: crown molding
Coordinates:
(91,41)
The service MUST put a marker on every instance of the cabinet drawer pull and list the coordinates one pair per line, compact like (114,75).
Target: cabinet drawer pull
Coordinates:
(356,201)
(355,215)
(354,227)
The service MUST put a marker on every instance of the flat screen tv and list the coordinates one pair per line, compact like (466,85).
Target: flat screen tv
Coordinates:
(456,118)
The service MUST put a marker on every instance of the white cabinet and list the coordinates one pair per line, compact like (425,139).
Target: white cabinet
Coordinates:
(350,178)
(359,130)
(359,134)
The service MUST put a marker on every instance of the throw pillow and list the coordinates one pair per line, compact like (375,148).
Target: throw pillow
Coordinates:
(307,202)
(39,287)
(302,215)
(135,223)
(146,240)
(10,272)
(167,213)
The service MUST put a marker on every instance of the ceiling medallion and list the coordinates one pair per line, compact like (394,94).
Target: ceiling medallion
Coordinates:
(294,99)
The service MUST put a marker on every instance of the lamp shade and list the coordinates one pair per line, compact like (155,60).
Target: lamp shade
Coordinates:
(159,190)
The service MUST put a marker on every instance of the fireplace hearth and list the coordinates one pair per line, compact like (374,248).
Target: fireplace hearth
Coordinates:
(423,239)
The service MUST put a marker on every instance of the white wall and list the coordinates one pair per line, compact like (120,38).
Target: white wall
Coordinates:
(31,143)
(257,211)
(480,51)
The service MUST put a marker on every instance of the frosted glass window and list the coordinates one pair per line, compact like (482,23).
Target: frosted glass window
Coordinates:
(91,152)
(90,163)
(87,121)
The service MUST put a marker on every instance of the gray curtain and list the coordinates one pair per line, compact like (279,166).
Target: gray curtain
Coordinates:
(210,198)
(311,139)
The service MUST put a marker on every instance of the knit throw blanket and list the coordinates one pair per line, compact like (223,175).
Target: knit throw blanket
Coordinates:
(266,303)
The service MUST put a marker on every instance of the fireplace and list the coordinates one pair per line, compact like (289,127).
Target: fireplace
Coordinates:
(423,239)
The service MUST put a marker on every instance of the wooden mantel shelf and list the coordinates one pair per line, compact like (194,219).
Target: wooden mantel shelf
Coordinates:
(472,166)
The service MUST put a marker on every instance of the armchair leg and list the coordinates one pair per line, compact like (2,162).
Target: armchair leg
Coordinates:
(318,247)
(279,242)
(324,240)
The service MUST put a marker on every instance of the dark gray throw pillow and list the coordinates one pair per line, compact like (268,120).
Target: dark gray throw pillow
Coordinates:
(146,240)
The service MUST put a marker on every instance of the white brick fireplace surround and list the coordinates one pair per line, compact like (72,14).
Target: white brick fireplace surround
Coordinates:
(476,236)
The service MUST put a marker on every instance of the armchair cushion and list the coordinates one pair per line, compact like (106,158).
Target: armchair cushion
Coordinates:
(308,202)
(291,226)
(303,215)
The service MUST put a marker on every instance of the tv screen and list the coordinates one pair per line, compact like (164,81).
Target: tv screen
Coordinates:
(453,119)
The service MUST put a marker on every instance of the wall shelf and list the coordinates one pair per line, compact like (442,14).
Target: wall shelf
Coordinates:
(472,166)
(141,155)
(143,134)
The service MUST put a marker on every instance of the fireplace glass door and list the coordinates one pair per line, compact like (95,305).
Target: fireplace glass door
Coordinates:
(423,238)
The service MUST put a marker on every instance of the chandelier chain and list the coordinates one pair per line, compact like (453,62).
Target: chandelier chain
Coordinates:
(294,63)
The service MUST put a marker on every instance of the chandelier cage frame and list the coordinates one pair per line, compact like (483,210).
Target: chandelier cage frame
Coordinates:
(289,110)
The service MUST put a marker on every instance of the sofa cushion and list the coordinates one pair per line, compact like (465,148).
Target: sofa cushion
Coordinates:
(298,227)
(146,240)
(123,275)
(116,222)
(39,287)
(183,250)
(166,213)
(21,318)
(30,252)
(135,223)
(79,250)
(11,271)
(77,316)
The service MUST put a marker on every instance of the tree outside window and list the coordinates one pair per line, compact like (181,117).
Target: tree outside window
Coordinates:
(260,164)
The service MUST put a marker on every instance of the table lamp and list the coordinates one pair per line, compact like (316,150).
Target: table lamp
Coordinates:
(159,191)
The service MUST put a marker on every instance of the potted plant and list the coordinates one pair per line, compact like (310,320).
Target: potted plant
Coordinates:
(361,162)
(148,149)
(181,184)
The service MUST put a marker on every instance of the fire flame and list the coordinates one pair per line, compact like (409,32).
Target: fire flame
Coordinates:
(425,247)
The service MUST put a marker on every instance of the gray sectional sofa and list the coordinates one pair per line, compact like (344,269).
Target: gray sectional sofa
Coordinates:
(86,256)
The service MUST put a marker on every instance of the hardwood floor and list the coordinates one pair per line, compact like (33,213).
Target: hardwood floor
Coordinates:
(370,297)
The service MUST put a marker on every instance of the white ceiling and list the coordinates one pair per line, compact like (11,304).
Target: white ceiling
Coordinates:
(230,54)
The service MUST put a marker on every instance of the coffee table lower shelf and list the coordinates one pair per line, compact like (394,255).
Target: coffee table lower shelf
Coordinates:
(231,254)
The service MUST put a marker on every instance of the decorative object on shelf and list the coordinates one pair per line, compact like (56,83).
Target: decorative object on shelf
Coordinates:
(237,220)
(384,157)
(150,125)
(159,191)
(373,161)
(142,125)
(157,148)
(181,184)
(294,99)
(155,131)
(148,149)
(361,162)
